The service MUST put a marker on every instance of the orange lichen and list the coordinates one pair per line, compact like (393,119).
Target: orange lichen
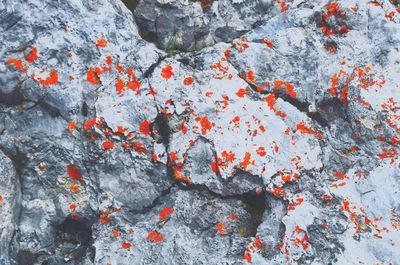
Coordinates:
(74,172)
(51,80)
(167,72)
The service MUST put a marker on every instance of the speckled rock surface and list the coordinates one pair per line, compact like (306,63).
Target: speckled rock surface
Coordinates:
(199,132)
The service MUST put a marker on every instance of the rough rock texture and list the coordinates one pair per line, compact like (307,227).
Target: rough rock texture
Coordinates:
(199,132)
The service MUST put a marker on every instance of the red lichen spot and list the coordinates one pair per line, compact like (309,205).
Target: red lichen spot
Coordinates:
(101,43)
(188,81)
(104,219)
(261,151)
(119,86)
(277,191)
(283,86)
(246,161)
(32,56)
(251,248)
(109,60)
(72,206)
(108,145)
(74,172)
(340,175)
(92,77)
(267,42)
(206,124)
(145,127)
(270,100)
(206,4)
(51,80)
(17,63)
(165,213)
(126,245)
(388,153)
(167,72)
(302,128)
(233,217)
(222,229)
(242,92)
(283,5)
(71,127)
(179,176)
(155,237)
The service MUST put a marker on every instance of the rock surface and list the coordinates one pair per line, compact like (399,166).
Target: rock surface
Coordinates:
(199,132)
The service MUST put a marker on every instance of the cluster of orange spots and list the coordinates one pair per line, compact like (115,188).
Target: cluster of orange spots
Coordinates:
(155,237)
(271,100)
(101,43)
(183,128)
(288,176)
(18,64)
(267,42)
(108,145)
(277,192)
(242,44)
(222,229)
(393,117)
(340,175)
(188,81)
(252,248)
(72,127)
(92,76)
(261,151)
(349,150)
(74,187)
(333,13)
(284,6)
(104,217)
(388,153)
(246,161)
(242,92)
(126,245)
(145,127)
(362,223)
(205,123)
(167,72)
(178,176)
(32,56)
(295,202)
(303,241)
(221,70)
(304,129)
(283,86)
(74,172)
(165,213)
(52,79)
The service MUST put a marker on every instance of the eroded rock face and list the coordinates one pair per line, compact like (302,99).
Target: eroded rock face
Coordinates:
(199,132)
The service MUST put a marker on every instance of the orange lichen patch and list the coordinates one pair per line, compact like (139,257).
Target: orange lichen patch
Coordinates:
(303,241)
(183,128)
(104,219)
(188,81)
(32,56)
(302,128)
(145,127)
(270,100)
(214,167)
(71,127)
(74,187)
(388,153)
(108,145)
(51,80)
(206,4)
(179,176)
(17,63)
(74,172)
(242,44)
(88,125)
(247,161)
(242,92)
(222,229)
(333,14)
(277,192)
(261,151)
(92,77)
(206,124)
(283,5)
(267,42)
(252,248)
(233,217)
(165,213)
(126,245)
(221,69)
(116,233)
(155,237)
(283,86)
(167,72)
(72,206)
(101,43)
(295,202)
(340,175)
